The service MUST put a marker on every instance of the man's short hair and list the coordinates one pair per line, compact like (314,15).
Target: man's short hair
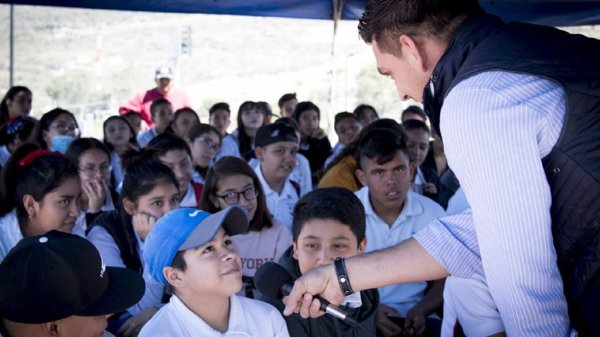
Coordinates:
(156,103)
(219,106)
(415,110)
(343,115)
(415,124)
(285,98)
(333,203)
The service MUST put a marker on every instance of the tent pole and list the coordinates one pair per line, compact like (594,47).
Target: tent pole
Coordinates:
(12,45)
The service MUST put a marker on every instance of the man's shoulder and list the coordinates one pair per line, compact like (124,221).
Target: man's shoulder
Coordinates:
(255,307)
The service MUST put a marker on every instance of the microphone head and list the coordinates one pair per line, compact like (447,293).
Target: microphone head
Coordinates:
(273,281)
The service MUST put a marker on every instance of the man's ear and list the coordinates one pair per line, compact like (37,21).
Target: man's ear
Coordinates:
(173,276)
(260,153)
(295,250)
(129,206)
(415,52)
(50,328)
(362,246)
(360,174)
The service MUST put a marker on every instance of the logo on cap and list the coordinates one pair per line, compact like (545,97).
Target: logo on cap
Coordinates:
(275,133)
(194,213)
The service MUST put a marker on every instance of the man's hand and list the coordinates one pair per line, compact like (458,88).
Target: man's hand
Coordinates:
(384,324)
(132,326)
(414,324)
(317,281)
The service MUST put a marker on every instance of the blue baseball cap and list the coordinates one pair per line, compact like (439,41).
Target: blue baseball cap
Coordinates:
(187,228)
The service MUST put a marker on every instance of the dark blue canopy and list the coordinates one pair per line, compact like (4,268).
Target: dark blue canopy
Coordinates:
(554,13)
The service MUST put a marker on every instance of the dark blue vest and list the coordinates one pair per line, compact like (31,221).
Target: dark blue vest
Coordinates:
(485,43)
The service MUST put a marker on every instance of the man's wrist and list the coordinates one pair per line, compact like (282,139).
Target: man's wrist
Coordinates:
(341,274)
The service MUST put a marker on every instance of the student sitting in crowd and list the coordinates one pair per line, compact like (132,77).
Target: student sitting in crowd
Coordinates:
(162,112)
(276,146)
(205,142)
(329,224)
(119,137)
(233,182)
(56,284)
(191,252)
(314,144)
(394,214)
(92,160)
(175,153)
(346,126)
(56,130)
(413,112)
(287,103)
(342,170)
(12,134)
(149,192)
(134,118)
(250,118)
(426,181)
(219,116)
(366,114)
(183,120)
(40,192)
(15,103)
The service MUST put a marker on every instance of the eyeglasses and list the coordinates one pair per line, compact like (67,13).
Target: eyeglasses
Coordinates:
(90,171)
(233,198)
(62,128)
(209,143)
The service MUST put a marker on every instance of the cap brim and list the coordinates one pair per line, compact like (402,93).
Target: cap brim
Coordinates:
(125,289)
(232,219)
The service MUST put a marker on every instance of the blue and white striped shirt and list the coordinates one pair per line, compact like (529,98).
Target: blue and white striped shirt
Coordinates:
(497,126)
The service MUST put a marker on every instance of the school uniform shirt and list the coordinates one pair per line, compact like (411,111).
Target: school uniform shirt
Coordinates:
(334,152)
(4,155)
(301,173)
(281,205)
(469,302)
(417,213)
(10,232)
(229,146)
(258,248)
(145,137)
(117,168)
(189,199)
(111,256)
(247,318)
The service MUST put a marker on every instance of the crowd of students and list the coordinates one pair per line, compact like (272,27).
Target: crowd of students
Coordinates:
(195,210)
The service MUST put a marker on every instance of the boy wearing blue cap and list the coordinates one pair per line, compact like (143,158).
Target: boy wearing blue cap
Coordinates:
(190,252)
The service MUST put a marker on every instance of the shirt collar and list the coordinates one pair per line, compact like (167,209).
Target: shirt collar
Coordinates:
(411,207)
(287,190)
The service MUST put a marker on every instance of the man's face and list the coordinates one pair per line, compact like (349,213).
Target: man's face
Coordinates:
(388,183)
(181,165)
(347,129)
(418,145)
(82,326)
(287,108)
(220,120)
(404,70)
(162,116)
(163,85)
(278,160)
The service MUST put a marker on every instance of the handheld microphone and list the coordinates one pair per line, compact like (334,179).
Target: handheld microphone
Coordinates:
(274,282)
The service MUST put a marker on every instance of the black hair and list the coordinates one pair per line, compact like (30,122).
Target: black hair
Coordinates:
(36,178)
(381,145)
(284,98)
(10,94)
(156,103)
(333,203)
(305,106)
(413,109)
(182,111)
(165,142)
(415,124)
(143,174)
(352,147)
(219,106)
(288,121)
(244,141)
(79,146)
(19,128)
(226,167)
(132,138)
(201,129)
(179,261)
(342,115)
(44,125)
(360,111)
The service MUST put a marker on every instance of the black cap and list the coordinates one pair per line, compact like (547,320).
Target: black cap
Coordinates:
(56,275)
(273,133)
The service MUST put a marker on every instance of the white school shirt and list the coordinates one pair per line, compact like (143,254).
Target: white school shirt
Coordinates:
(497,126)
(145,137)
(117,168)
(111,256)
(301,173)
(281,205)
(10,232)
(417,213)
(229,146)
(189,199)
(247,318)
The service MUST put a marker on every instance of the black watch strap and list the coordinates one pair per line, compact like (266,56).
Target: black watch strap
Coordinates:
(342,276)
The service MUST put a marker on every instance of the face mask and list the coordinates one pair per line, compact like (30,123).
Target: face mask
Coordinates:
(61,143)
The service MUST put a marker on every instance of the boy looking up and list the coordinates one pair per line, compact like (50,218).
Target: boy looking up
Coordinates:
(275,146)
(190,252)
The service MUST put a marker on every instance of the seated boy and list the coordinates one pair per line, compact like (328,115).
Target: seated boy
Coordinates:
(162,113)
(347,127)
(275,146)
(329,223)
(190,252)
(394,214)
